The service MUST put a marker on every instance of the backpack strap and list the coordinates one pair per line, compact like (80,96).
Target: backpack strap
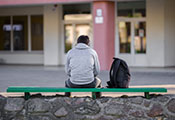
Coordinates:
(111,81)
(113,72)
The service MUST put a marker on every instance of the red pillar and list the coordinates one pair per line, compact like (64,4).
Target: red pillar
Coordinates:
(104,32)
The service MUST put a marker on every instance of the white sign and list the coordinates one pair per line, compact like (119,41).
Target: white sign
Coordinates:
(98,20)
(141,33)
(16,27)
(99,12)
(7,27)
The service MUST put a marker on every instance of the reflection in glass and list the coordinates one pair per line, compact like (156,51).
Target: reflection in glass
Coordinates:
(70,9)
(125,13)
(20,33)
(72,34)
(82,29)
(131,9)
(78,17)
(37,32)
(68,37)
(5,29)
(139,13)
(140,37)
(125,37)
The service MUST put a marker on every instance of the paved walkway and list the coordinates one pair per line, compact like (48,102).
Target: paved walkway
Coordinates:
(13,75)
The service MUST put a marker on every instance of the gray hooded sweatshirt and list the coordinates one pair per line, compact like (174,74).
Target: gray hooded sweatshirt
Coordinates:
(82,64)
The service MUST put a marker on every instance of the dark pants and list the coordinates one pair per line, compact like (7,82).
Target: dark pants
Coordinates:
(95,84)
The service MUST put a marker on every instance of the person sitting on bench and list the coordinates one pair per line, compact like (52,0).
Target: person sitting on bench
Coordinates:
(82,66)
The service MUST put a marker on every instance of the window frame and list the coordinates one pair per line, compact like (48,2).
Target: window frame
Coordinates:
(29,50)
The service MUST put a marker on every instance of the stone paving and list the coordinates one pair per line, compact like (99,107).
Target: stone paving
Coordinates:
(20,75)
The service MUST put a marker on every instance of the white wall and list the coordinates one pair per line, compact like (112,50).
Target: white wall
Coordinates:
(21,58)
(155,32)
(52,37)
(21,10)
(169,32)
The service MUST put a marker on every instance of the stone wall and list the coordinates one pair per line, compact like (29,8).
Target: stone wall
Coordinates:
(106,108)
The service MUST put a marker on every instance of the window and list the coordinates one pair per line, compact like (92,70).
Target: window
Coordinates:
(68,37)
(76,9)
(131,9)
(5,29)
(125,37)
(14,33)
(37,32)
(140,37)
(20,33)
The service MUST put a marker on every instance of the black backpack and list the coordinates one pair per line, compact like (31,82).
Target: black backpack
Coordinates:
(119,74)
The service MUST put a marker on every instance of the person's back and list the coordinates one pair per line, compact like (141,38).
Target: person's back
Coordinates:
(82,66)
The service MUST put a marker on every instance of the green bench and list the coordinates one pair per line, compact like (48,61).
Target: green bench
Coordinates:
(28,90)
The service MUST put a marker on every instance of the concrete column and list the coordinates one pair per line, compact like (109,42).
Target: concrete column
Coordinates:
(155,32)
(104,31)
(51,34)
(160,29)
(169,33)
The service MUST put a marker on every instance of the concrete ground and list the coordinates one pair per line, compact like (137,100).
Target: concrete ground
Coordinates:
(20,75)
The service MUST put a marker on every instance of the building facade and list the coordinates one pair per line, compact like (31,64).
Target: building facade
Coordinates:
(142,32)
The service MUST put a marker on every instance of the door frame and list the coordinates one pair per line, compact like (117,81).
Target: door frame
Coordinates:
(132,57)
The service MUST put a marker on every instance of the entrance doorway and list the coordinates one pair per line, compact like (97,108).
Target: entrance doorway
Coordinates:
(76,22)
(131,40)
(131,32)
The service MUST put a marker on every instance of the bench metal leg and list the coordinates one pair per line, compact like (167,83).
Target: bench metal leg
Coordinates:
(147,95)
(67,94)
(93,95)
(26,95)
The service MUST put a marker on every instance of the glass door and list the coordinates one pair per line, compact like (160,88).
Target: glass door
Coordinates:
(125,37)
(71,32)
(131,41)
(68,37)
(83,29)
(140,37)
